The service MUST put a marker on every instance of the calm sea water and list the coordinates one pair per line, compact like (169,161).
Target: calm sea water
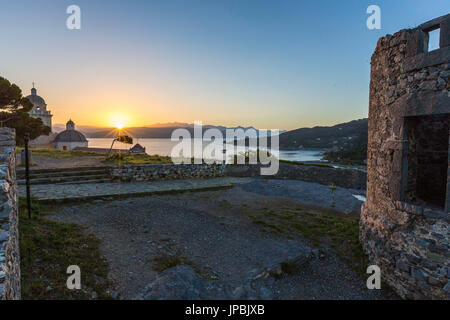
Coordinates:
(163,147)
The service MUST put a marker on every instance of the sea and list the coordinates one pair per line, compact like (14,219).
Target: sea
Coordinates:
(163,147)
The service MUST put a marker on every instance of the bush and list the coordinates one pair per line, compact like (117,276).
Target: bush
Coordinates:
(127,158)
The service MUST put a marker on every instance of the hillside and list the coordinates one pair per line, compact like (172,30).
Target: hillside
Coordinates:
(341,136)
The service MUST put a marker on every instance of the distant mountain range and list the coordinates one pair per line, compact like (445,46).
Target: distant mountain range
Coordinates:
(158,130)
(338,137)
(169,124)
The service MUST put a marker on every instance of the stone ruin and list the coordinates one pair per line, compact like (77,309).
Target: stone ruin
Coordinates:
(9,219)
(405,219)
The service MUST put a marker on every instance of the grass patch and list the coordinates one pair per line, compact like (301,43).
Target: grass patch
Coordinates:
(125,158)
(225,204)
(288,267)
(267,226)
(56,153)
(339,233)
(165,261)
(48,247)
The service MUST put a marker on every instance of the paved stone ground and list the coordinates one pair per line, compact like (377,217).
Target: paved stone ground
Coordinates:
(97,190)
(212,232)
(306,192)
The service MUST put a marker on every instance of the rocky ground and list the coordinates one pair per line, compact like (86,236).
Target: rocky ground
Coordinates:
(211,234)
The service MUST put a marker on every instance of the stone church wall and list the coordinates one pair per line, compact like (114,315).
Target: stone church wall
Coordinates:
(69,145)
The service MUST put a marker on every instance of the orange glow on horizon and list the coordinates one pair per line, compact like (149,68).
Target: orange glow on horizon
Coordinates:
(119,121)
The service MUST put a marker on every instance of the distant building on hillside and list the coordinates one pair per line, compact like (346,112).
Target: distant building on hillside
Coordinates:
(137,148)
(70,138)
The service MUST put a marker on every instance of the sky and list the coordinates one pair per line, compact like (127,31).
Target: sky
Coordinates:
(280,64)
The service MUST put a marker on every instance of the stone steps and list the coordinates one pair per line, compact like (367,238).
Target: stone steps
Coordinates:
(66,176)
(21,171)
(68,179)
(62,174)
(99,180)
(84,191)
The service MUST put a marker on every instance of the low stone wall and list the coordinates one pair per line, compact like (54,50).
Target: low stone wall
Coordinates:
(9,219)
(166,172)
(345,178)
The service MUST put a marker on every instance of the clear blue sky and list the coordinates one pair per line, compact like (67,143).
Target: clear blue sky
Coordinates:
(272,64)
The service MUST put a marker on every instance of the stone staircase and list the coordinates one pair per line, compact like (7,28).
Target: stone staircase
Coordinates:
(65,175)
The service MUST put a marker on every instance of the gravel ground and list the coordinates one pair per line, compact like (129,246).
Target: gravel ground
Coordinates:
(210,230)
(307,192)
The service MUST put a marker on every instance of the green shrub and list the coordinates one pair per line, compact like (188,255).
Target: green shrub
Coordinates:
(126,158)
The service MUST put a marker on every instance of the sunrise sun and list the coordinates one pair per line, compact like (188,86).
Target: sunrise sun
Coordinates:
(118,122)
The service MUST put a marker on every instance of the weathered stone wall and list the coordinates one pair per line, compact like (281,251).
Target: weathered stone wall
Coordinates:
(345,178)
(9,220)
(407,238)
(166,171)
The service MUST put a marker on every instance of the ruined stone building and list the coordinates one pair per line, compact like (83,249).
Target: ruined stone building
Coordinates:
(405,219)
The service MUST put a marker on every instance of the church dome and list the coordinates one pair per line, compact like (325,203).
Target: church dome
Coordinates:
(36,100)
(70,134)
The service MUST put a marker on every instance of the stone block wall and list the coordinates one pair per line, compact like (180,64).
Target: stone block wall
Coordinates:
(404,230)
(166,172)
(9,219)
(345,178)
(353,179)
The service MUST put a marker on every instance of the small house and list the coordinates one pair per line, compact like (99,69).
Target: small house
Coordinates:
(137,149)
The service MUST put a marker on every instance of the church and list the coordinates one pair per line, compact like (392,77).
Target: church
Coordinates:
(40,108)
(65,140)
(70,138)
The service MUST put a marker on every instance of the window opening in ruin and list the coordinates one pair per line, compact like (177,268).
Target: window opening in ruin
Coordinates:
(433,39)
(427,155)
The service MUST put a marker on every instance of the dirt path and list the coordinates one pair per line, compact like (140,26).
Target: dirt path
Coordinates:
(213,232)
